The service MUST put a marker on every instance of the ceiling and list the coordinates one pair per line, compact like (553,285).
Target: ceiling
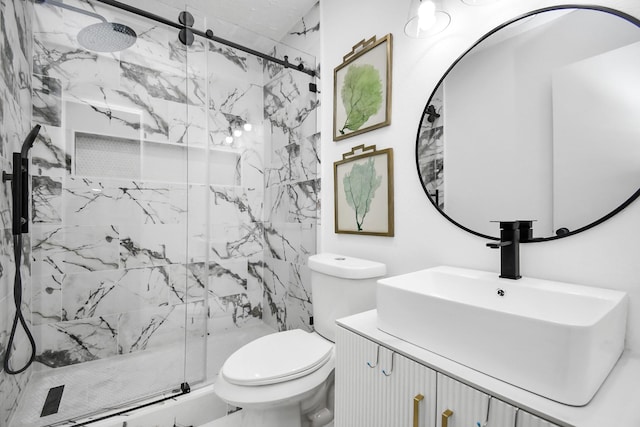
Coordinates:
(269,18)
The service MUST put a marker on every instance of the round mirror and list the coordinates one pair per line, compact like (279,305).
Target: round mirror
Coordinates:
(539,120)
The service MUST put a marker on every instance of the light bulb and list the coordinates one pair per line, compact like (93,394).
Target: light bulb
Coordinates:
(229,140)
(248,127)
(426,15)
(237,133)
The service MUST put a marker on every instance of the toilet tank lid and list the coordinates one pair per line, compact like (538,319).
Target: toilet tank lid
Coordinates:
(346,267)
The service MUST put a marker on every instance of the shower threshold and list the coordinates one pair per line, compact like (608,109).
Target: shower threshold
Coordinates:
(109,386)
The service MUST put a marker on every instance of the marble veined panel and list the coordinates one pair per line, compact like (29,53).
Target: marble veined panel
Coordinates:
(46,299)
(49,155)
(187,282)
(47,100)
(282,241)
(187,124)
(304,201)
(57,55)
(233,102)
(230,241)
(76,249)
(299,305)
(276,284)
(68,343)
(5,200)
(229,205)
(235,311)
(15,45)
(227,61)
(290,106)
(14,128)
(228,277)
(155,83)
(115,108)
(86,295)
(253,169)
(7,263)
(46,193)
(161,327)
(152,244)
(93,201)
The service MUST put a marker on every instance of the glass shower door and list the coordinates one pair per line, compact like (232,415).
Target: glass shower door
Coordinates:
(113,264)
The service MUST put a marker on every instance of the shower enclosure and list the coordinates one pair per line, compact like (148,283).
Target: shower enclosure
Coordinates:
(175,199)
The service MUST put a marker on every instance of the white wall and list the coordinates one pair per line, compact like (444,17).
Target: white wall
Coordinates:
(607,256)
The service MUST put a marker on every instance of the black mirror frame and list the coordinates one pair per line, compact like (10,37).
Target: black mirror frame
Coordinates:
(634,196)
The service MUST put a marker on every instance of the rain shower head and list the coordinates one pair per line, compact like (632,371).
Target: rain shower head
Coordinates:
(107,37)
(104,36)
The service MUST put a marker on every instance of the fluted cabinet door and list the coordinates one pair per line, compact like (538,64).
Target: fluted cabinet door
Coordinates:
(376,387)
(460,405)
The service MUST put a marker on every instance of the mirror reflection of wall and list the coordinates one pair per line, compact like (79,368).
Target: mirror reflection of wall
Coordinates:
(537,122)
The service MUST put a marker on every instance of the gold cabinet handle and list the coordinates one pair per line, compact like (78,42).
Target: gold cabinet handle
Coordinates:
(445,417)
(416,410)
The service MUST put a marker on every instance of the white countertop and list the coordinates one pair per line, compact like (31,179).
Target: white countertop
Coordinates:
(616,404)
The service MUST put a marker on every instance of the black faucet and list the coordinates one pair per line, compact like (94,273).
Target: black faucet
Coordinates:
(511,234)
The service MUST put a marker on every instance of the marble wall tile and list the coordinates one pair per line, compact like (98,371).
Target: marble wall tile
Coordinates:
(160,327)
(303,201)
(93,201)
(47,100)
(188,282)
(5,198)
(230,241)
(46,297)
(46,199)
(291,89)
(152,244)
(276,278)
(155,83)
(68,343)
(76,249)
(101,293)
(49,155)
(299,301)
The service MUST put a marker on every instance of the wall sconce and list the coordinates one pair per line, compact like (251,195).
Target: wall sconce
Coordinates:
(426,18)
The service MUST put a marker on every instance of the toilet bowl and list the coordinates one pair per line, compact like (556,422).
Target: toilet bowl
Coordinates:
(286,379)
(282,379)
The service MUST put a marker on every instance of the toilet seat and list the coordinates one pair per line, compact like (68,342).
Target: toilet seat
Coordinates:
(277,358)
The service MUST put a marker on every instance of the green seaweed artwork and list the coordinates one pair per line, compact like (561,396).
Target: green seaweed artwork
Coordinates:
(361,95)
(360,187)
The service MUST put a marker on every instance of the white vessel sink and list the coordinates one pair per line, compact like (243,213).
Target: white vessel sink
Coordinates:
(554,339)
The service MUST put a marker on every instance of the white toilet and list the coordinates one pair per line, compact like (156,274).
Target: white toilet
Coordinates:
(286,379)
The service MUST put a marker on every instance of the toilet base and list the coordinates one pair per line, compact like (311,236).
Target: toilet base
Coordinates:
(282,416)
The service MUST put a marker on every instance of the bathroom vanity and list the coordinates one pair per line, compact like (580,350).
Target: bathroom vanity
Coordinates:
(384,381)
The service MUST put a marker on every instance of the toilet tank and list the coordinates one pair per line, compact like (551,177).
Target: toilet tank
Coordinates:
(341,286)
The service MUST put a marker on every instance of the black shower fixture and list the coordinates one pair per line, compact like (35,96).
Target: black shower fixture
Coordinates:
(20,194)
(103,36)
(20,184)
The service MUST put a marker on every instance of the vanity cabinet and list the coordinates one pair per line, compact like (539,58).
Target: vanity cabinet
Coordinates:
(378,387)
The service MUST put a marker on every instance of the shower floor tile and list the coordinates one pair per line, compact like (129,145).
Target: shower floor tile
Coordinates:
(108,384)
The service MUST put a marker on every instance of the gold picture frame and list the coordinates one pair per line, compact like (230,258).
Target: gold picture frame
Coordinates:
(362,88)
(363,192)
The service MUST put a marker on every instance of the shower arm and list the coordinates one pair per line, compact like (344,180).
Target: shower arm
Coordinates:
(73,8)
(208,34)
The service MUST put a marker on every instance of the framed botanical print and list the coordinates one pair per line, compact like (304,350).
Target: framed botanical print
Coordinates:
(362,88)
(363,192)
